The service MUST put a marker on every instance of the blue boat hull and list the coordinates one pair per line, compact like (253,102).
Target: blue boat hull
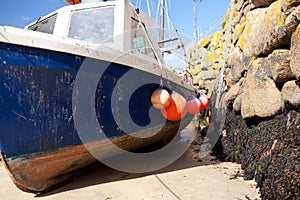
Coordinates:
(38,138)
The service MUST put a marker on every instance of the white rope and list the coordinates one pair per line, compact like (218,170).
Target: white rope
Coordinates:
(154,51)
(224,55)
(172,27)
(212,27)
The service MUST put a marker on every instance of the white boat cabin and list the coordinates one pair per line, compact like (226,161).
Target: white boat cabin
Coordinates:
(115,24)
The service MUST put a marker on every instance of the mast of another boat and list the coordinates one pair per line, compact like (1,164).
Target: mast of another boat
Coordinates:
(162,22)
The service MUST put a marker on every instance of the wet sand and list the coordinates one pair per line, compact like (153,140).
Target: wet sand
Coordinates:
(185,179)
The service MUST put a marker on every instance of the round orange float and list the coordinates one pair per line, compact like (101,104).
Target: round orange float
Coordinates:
(73,2)
(193,105)
(177,108)
(204,101)
(160,98)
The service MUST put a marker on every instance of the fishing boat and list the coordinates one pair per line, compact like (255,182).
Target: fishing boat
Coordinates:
(71,85)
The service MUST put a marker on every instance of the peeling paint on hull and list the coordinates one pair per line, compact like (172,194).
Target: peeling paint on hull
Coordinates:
(41,172)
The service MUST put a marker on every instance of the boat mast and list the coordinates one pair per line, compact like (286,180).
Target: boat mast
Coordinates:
(195,23)
(162,21)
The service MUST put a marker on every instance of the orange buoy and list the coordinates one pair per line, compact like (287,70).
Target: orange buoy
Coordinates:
(177,108)
(204,101)
(160,98)
(73,2)
(193,105)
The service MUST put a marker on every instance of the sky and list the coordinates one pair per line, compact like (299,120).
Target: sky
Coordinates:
(19,13)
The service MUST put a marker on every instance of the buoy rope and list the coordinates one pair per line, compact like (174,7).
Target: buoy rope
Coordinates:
(221,77)
(160,63)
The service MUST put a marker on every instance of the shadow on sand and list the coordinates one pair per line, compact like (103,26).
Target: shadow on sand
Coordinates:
(100,174)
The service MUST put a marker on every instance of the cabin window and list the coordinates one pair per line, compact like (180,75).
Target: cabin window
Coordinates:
(45,26)
(94,25)
(139,41)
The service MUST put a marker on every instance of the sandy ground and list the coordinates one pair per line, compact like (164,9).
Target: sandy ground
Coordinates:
(185,179)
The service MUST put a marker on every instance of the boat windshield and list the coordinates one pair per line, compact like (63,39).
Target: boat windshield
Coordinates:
(95,25)
(45,26)
(140,43)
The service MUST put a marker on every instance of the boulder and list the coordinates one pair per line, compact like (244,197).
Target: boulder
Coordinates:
(291,94)
(238,64)
(267,29)
(237,104)
(261,97)
(279,64)
(295,52)
(233,93)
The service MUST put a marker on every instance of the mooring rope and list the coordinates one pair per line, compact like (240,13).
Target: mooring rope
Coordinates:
(160,63)
(224,55)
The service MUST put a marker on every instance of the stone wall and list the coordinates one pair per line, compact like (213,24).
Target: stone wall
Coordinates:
(262,86)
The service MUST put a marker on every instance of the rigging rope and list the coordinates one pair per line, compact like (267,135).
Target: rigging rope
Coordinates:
(224,55)
(171,28)
(212,27)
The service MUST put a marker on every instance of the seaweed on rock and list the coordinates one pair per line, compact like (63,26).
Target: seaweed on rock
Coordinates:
(268,152)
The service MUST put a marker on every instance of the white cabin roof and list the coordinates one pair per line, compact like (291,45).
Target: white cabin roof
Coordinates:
(107,23)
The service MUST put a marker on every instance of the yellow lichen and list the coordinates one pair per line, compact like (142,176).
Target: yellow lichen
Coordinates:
(219,65)
(204,42)
(197,70)
(214,57)
(222,46)
(239,30)
(280,20)
(274,14)
(215,39)
(257,63)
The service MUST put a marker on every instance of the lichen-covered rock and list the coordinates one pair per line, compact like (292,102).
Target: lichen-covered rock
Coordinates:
(263,122)
(261,97)
(287,6)
(279,64)
(251,26)
(291,94)
(204,42)
(214,56)
(239,5)
(267,29)
(215,40)
(262,3)
(238,30)
(295,53)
